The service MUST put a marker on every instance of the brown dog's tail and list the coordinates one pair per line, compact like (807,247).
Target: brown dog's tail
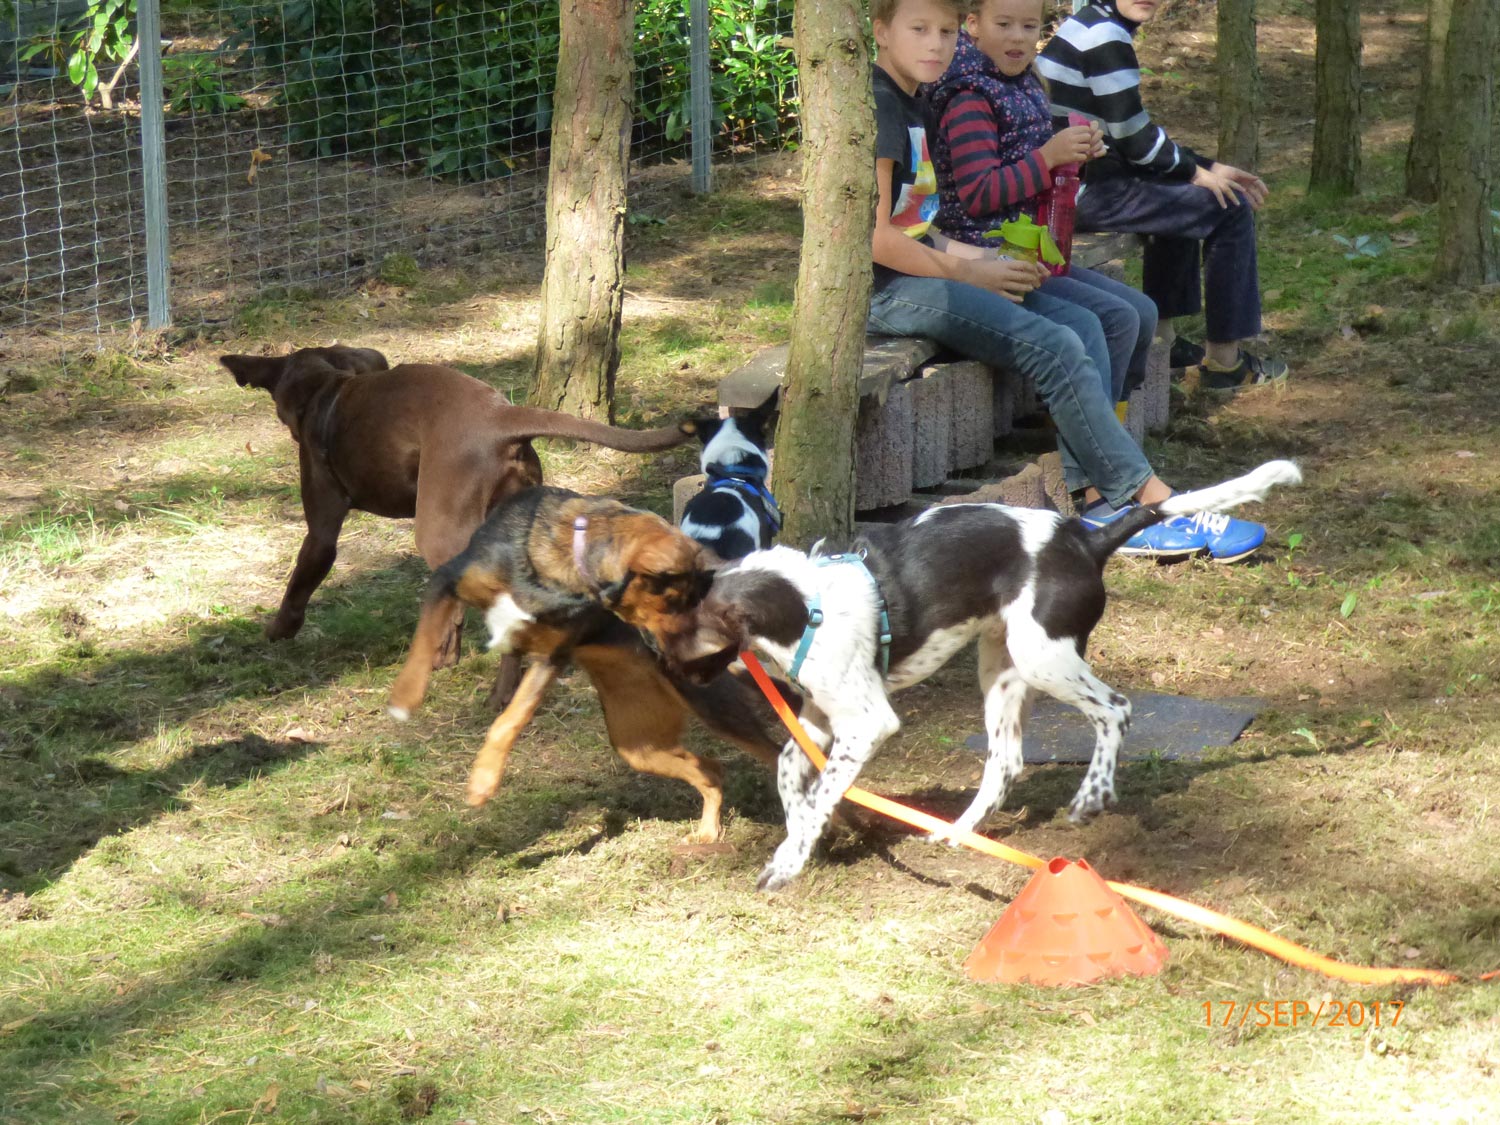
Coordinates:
(527,422)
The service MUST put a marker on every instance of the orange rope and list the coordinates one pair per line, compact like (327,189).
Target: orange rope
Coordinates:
(1252,936)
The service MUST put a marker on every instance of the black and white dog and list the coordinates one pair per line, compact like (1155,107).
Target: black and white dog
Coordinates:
(735,513)
(1028,584)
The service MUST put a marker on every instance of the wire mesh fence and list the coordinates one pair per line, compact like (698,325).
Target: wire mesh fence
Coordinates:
(307,142)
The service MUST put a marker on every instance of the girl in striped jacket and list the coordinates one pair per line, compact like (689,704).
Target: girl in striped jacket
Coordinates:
(994,153)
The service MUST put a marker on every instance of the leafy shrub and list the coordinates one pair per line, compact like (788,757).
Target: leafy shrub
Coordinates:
(194,83)
(101,36)
(464,87)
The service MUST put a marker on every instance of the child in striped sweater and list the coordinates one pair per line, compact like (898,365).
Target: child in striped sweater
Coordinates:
(994,154)
(1149,184)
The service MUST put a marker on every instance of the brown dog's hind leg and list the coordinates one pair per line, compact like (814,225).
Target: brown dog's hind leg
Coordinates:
(446,518)
(489,763)
(645,718)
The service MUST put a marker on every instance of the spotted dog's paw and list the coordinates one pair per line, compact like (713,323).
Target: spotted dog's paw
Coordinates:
(785,866)
(1089,804)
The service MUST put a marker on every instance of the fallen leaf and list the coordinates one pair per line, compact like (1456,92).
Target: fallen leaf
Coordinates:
(395,814)
(257,158)
(266,1103)
(389,900)
(297,734)
(1466,453)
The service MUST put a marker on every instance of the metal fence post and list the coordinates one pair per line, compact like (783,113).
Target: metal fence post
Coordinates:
(700,92)
(153,164)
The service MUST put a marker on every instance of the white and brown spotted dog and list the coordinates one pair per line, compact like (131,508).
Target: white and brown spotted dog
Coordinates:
(1028,584)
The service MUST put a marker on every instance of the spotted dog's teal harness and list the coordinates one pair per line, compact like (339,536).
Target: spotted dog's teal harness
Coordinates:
(815,615)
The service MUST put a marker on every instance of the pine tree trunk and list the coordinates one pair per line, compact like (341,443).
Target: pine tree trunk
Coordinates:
(583,288)
(1427,125)
(1336,152)
(1466,251)
(1239,85)
(814,474)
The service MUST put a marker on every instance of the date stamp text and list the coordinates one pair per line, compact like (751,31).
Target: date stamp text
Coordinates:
(1302,1013)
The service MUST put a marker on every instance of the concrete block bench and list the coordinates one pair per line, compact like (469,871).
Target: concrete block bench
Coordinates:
(924,416)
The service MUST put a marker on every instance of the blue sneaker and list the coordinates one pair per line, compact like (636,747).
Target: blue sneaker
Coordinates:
(1176,537)
(1228,539)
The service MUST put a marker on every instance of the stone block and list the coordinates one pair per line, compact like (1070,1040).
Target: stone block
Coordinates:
(1004,389)
(683,490)
(887,361)
(971,439)
(1156,391)
(932,411)
(884,442)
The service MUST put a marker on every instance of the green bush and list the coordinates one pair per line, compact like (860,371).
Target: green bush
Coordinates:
(464,87)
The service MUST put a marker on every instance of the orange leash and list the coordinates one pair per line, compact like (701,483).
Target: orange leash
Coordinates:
(1252,936)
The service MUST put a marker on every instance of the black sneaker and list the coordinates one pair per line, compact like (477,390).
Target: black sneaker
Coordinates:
(1250,371)
(1184,353)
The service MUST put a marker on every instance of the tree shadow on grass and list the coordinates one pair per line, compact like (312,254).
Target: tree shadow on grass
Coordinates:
(350,923)
(69,814)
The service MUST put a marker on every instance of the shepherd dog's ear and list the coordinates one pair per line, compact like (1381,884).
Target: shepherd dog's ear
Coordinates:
(263,371)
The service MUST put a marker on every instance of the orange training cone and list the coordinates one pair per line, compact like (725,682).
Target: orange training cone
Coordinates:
(1066,927)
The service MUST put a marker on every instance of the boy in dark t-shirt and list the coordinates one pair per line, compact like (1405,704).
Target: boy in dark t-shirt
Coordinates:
(988,309)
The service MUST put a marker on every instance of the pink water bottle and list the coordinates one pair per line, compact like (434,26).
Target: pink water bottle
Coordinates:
(1059,205)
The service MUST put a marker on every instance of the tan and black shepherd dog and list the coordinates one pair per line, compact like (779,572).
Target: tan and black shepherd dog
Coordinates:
(562,577)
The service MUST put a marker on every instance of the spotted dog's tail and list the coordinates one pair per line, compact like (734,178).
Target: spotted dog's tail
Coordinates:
(1254,485)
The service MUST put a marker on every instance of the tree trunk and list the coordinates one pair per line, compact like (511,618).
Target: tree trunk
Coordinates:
(1466,251)
(1239,85)
(1427,126)
(583,288)
(1335,157)
(814,472)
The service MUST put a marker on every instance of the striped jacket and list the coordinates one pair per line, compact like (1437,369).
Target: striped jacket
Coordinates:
(1091,68)
(988,134)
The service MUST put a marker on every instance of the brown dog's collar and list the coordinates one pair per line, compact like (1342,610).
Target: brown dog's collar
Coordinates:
(580,544)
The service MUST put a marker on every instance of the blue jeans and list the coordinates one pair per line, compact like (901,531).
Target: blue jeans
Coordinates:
(1127,316)
(1044,339)
(1185,222)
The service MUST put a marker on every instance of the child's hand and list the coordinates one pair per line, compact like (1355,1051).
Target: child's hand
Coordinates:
(1072,145)
(1221,185)
(1100,148)
(1253,187)
(1011,278)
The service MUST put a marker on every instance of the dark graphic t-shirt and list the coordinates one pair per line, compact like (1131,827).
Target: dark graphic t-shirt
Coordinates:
(901,136)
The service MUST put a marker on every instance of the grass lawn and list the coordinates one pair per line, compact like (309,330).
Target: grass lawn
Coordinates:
(231,889)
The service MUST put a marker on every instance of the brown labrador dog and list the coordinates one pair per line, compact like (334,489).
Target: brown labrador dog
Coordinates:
(416,440)
(562,577)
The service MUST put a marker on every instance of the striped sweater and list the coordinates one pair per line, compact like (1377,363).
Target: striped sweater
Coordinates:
(1091,68)
(989,132)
